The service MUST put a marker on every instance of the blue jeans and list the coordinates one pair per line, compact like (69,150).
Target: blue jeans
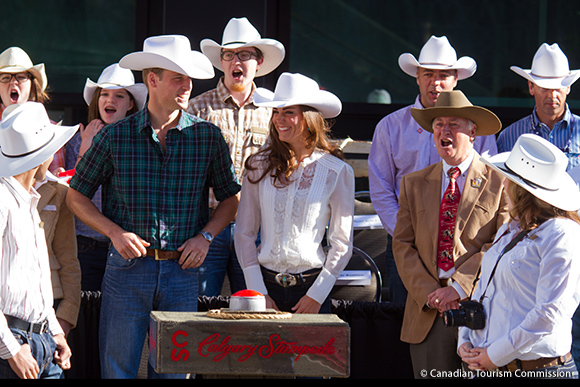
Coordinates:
(221,258)
(42,347)
(131,290)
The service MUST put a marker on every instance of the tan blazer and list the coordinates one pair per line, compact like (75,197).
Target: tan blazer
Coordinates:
(482,210)
(59,229)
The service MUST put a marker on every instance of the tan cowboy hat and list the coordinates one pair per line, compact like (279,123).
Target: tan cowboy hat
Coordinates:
(438,54)
(170,52)
(550,68)
(455,104)
(28,138)
(539,167)
(116,77)
(16,60)
(239,32)
(297,89)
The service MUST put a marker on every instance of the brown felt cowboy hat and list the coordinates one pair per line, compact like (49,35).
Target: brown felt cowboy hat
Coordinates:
(455,104)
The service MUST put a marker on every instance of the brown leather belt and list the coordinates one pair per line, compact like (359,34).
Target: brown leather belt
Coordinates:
(163,255)
(530,365)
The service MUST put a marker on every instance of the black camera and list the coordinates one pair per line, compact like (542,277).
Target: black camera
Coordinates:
(470,314)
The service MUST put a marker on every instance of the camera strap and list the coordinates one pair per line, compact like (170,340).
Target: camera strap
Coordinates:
(509,246)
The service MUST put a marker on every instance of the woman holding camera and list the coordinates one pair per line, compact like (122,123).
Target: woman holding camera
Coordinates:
(529,284)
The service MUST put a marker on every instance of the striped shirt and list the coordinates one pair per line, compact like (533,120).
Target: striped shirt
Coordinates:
(245,128)
(565,135)
(25,284)
(161,196)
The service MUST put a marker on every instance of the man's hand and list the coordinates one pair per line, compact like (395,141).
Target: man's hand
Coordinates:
(63,353)
(306,305)
(23,364)
(129,245)
(444,298)
(193,252)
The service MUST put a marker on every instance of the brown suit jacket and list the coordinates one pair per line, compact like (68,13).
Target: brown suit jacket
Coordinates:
(482,210)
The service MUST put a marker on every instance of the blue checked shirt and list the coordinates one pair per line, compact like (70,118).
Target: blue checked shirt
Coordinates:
(160,196)
(565,135)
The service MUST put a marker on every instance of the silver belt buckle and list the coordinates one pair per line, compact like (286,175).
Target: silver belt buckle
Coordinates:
(285,279)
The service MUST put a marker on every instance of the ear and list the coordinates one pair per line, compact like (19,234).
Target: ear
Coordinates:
(531,88)
(260,61)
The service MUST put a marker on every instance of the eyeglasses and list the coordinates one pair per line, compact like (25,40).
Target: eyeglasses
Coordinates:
(242,55)
(20,77)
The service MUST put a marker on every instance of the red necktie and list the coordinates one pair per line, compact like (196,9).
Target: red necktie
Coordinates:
(447,214)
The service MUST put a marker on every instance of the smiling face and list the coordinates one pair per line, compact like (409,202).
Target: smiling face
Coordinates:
(454,138)
(239,75)
(290,125)
(433,82)
(114,104)
(15,91)
(169,90)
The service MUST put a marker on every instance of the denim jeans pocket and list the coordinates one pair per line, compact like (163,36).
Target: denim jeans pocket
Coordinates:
(116,261)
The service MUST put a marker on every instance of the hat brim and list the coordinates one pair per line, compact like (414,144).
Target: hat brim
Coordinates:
(465,66)
(566,197)
(274,53)
(487,123)
(199,67)
(138,90)
(548,83)
(37,72)
(12,166)
(326,103)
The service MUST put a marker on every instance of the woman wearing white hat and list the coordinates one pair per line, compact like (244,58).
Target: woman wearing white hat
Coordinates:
(529,284)
(113,97)
(294,187)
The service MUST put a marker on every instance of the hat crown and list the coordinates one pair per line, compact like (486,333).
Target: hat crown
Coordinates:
(438,51)
(291,86)
(239,31)
(453,99)
(550,62)
(116,75)
(168,46)
(25,128)
(15,57)
(537,161)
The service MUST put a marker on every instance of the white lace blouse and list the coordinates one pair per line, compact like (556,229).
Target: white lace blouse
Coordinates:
(292,222)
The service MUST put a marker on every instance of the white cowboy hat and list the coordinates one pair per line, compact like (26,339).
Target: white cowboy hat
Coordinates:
(438,54)
(116,77)
(16,60)
(297,89)
(239,32)
(170,52)
(28,138)
(549,68)
(539,166)
(455,104)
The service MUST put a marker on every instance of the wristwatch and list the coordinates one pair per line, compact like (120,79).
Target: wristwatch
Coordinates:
(207,235)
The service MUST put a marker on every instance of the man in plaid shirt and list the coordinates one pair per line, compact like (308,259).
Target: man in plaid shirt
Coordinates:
(156,168)
(242,56)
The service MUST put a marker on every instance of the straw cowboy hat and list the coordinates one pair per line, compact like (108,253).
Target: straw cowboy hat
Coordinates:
(549,68)
(239,32)
(170,52)
(116,77)
(539,167)
(28,138)
(297,89)
(455,104)
(15,60)
(438,54)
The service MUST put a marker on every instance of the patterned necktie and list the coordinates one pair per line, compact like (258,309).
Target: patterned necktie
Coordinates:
(447,214)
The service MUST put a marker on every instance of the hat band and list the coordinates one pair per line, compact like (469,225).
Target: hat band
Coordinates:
(545,77)
(225,44)
(32,151)
(535,185)
(436,64)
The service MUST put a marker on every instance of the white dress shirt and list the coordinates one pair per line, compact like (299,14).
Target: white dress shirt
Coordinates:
(532,296)
(25,284)
(292,221)
(401,146)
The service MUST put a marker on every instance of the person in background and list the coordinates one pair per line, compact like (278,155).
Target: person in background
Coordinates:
(529,284)
(294,188)
(242,56)
(21,81)
(449,214)
(113,97)
(400,145)
(32,342)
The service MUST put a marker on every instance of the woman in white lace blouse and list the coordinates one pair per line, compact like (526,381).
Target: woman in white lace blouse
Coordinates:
(294,188)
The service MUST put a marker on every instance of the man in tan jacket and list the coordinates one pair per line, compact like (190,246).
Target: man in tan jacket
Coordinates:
(482,208)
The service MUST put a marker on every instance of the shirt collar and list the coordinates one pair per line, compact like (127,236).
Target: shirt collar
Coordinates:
(20,194)
(463,167)
(566,119)
(143,120)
